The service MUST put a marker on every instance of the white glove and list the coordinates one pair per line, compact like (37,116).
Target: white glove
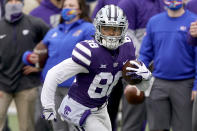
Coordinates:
(141,70)
(49,114)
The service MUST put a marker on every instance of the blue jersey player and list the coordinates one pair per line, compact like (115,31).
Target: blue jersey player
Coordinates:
(97,65)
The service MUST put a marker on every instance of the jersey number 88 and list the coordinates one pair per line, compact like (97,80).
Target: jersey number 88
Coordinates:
(106,89)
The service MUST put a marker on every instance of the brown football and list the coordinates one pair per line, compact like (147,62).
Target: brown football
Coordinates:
(42,52)
(132,79)
(133,94)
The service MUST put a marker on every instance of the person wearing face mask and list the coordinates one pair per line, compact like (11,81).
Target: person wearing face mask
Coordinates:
(74,27)
(18,82)
(49,11)
(174,89)
(13,11)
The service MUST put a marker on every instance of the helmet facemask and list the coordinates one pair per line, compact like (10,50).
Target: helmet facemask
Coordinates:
(117,25)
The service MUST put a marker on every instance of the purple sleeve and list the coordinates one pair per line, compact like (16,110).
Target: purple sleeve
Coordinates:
(33,12)
(42,13)
(130,9)
(36,12)
(82,54)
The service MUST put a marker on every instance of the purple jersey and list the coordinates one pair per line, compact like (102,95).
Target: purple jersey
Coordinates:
(191,6)
(105,69)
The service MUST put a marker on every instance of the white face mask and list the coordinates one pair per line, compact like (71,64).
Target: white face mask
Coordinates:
(13,12)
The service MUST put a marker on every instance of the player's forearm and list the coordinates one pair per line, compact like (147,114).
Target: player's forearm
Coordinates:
(48,90)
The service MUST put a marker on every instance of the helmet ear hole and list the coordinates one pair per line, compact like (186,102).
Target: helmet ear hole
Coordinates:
(99,28)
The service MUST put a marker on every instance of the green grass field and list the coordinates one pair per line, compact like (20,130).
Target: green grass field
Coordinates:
(13,122)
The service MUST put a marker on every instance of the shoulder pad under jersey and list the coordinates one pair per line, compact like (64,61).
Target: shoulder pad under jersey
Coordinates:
(82,52)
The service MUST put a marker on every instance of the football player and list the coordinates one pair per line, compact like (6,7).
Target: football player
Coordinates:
(97,65)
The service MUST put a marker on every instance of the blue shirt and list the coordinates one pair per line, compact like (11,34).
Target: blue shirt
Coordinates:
(166,43)
(62,40)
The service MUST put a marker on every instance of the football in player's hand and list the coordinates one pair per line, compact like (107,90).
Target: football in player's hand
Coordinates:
(130,76)
(41,50)
(133,94)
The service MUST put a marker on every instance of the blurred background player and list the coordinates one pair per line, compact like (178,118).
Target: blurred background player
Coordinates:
(74,27)
(19,32)
(29,5)
(138,14)
(49,11)
(85,104)
(191,6)
(166,44)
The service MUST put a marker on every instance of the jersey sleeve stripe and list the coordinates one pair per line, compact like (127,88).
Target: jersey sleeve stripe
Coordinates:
(84,49)
(81,58)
